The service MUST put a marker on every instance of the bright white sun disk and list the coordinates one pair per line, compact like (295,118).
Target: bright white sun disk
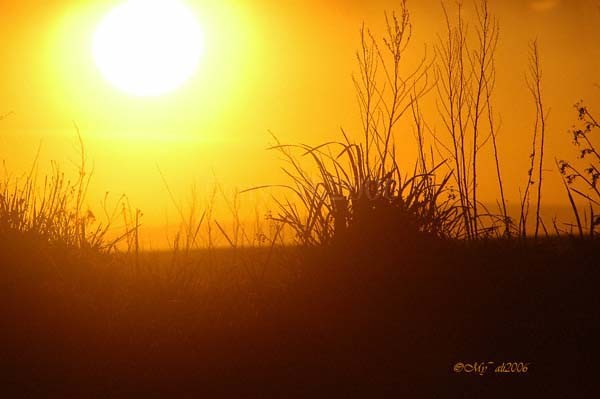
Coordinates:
(148,47)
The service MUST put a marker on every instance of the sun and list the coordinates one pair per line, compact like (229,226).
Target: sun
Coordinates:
(148,47)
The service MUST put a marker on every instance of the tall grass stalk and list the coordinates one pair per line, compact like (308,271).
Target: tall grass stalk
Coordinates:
(466,71)
(534,82)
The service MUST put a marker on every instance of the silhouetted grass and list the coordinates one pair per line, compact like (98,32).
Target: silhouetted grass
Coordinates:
(51,208)
(583,180)
(394,277)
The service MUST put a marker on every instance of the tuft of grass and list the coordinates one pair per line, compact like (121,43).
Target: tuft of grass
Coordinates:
(52,210)
(342,200)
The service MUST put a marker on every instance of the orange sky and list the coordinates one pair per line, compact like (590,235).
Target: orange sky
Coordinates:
(268,65)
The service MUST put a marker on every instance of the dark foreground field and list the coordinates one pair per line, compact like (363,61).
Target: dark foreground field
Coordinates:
(386,320)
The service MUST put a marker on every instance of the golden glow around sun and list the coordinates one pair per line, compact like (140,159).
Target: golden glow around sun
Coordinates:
(148,47)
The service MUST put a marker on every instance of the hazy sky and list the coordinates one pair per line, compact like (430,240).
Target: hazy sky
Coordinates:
(268,65)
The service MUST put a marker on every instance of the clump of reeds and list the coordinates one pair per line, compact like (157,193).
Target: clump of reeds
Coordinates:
(52,209)
(357,188)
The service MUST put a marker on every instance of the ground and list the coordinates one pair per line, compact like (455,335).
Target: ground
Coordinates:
(391,320)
